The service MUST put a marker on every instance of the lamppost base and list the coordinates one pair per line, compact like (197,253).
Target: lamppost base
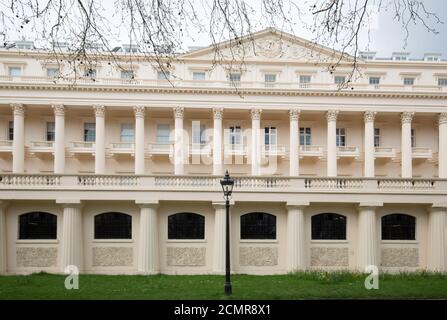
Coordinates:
(228,290)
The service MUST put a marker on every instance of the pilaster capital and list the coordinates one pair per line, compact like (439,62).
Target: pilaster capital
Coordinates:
(438,207)
(179,112)
(369,116)
(442,118)
(218,113)
(221,204)
(406,117)
(370,205)
(139,111)
(331,115)
(294,114)
(70,203)
(59,109)
(151,204)
(300,205)
(255,114)
(18,109)
(100,110)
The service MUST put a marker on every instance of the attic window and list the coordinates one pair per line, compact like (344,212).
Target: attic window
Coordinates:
(199,76)
(339,79)
(163,75)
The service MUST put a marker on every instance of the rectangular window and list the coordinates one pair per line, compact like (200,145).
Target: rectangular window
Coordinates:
(270,135)
(235,135)
(413,139)
(198,133)
(374,80)
(51,131)
(235,79)
(442,82)
(408,81)
(52,72)
(11,130)
(127,74)
(90,73)
(305,79)
(270,78)
(339,79)
(199,76)
(163,131)
(341,137)
(305,136)
(89,132)
(163,75)
(376,137)
(127,132)
(15,71)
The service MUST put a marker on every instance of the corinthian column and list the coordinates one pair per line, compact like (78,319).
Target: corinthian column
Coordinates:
(255,141)
(331,117)
(18,144)
(217,142)
(367,237)
(368,118)
(100,151)
(442,159)
(437,233)
(179,147)
(148,250)
(406,150)
(294,164)
(59,139)
(139,112)
(71,251)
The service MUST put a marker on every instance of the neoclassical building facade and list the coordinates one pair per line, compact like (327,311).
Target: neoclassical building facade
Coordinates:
(119,172)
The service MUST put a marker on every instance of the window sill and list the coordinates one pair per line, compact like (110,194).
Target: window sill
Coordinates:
(330,241)
(258,240)
(112,241)
(37,241)
(399,241)
(186,241)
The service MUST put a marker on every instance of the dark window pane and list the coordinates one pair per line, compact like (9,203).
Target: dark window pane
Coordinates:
(258,225)
(186,225)
(113,225)
(398,226)
(328,226)
(38,225)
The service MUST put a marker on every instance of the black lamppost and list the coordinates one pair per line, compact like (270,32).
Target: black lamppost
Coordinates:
(227,185)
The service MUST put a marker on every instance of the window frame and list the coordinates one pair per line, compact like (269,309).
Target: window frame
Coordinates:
(328,226)
(235,135)
(304,76)
(194,229)
(50,224)
(50,135)
(252,230)
(374,80)
(340,137)
(113,233)
(406,81)
(158,136)
(163,75)
(10,130)
(129,137)
(271,135)
(201,134)
(442,82)
(338,78)
(88,131)
(19,68)
(376,137)
(305,136)
(194,73)
(413,138)
(128,74)
(398,235)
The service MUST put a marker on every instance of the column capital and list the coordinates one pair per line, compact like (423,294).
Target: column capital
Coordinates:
(331,115)
(178,112)
(370,205)
(297,204)
(152,204)
(218,113)
(406,117)
(59,109)
(255,113)
(221,204)
(18,109)
(139,111)
(369,116)
(100,110)
(442,118)
(294,114)
(439,207)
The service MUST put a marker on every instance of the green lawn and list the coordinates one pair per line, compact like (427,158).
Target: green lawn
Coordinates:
(308,285)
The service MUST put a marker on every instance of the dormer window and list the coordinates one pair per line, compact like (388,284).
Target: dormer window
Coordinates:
(305,79)
(432,57)
(367,55)
(400,56)
(339,79)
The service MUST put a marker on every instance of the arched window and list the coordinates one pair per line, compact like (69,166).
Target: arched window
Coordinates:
(258,225)
(398,226)
(186,225)
(113,225)
(328,226)
(37,225)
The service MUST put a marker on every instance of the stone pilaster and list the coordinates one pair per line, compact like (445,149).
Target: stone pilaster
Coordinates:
(72,236)
(437,239)
(367,252)
(296,248)
(148,261)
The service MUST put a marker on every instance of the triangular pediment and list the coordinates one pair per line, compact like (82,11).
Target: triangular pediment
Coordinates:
(269,44)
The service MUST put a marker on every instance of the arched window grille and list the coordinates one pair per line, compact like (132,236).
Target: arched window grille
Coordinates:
(38,225)
(328,226)
(398,226)
(258,225)
(186,225)
(113,225)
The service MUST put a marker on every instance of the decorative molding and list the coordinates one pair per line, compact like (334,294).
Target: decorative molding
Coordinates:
(179,112)
(442,118)
(112,256)
(18,109)
(59,109)
(139,111)
(218,113)
(400,257)
(332,115)
(294,114)
(369,116)
(406,117)
(255,114)
(100,110)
